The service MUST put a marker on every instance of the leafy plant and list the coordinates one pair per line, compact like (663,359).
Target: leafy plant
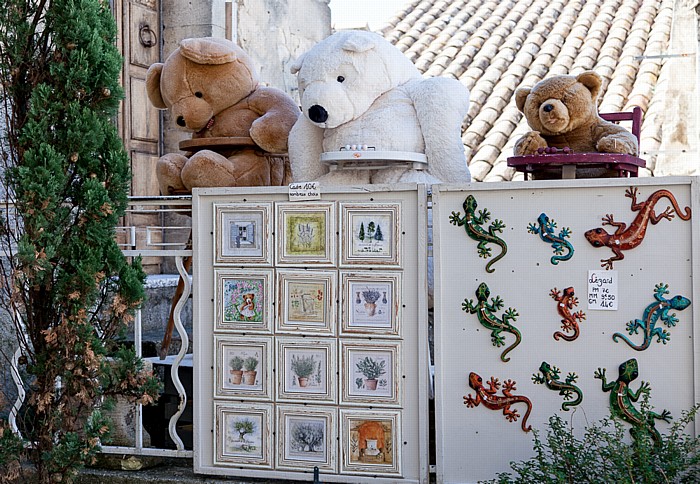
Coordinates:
(303,366)
(243,427)
(306,436)
(236,363)
(250,363)
(371,368)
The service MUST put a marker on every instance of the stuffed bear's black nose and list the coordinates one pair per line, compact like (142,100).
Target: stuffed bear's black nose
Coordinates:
(318,114)
(548,107)
(181,121)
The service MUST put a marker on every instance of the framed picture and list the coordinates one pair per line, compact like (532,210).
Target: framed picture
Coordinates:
(306,438)
(243,300)
(305,233)
(242,434)
(242,233)
(370,234)
(371,373)
(305,369)
(370,303)
(306,301)
(243,367)
(370,442)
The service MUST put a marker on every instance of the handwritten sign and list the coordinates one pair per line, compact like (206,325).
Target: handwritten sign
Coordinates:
(602,290)
(303,191)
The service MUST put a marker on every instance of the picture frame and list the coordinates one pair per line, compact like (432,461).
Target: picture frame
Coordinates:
(371,303)
(305,370)
(371,373)
(306,302)
(307,438)
(370,234)
(243,300)
(243,367)
(306,234)
(243,434)
(370,442)
(242,234)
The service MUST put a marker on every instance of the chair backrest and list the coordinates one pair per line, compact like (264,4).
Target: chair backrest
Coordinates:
(635,116)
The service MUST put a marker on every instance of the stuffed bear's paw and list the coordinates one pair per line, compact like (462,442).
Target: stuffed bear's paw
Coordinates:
(529,143)
(614,143)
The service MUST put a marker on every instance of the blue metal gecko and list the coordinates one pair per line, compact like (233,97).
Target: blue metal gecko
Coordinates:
(545,228)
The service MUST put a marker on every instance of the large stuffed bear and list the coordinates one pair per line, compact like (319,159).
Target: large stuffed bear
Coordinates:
(211,88)
(562,112)
(356,88)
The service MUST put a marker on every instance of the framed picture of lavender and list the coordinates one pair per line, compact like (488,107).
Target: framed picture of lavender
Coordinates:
(370,303)
(306,234)
(242,233)
(305,369)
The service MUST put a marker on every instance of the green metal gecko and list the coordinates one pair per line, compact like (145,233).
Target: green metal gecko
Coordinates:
(484,312)
(621,398)
(549,375)
(473,226)
(652,314)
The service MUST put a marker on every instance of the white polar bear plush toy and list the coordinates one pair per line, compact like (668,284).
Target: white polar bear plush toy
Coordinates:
(356,88)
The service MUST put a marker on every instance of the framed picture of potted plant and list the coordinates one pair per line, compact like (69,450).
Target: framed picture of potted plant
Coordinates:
(370,234)
(306,301)
(243,300)
(370,303)
(243,434)
(305,368)
(306,438)
(370,442)
(306,234)
(371,373)
(242,234)
(243,367)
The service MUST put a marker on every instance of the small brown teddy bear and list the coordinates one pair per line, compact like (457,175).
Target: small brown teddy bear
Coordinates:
(562,111)
(211,89)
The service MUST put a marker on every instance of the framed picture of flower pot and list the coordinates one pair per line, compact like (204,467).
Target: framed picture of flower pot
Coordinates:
(306,234)
(370,303)
(306,301)
(370,442)
(243,300)
(242,232)
(370,234)
(305,369)
(371,373)
(306,438)
(243,434)
(243,367)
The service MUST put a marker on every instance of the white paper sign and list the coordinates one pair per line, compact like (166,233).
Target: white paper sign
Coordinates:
(602,290)
(303,191)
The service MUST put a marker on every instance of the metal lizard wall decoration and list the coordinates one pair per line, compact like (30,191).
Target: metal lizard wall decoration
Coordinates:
(473,226)
(549,376)
(565,303)
(626,238)
(545,229)
(621,398)
(654,312)
(488,397)
(484,312)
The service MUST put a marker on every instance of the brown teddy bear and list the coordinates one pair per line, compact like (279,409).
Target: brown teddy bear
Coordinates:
(562,111)
(211,89)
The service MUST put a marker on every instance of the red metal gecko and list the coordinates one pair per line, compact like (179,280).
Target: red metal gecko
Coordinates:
(566,302)
(626,238)
(494,402)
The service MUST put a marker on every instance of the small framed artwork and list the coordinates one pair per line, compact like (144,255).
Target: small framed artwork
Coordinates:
(243,300)
(305,233)
(305,369)
(370,442)
(306,301)
(370,234)
(306,438)
(243,434)
(370,303)
(371,373)
(242,232)
(243,367)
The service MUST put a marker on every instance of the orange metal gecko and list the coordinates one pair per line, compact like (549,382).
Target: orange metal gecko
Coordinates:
(488,397)
(566,302)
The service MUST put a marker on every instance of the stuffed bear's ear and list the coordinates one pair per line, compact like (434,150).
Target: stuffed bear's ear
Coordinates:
(359,44)
(592,81)
(521,96)
(209,50)
(153,85)
(296,66)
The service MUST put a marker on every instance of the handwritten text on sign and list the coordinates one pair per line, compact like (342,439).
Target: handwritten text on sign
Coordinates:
(602,290)
(300,192)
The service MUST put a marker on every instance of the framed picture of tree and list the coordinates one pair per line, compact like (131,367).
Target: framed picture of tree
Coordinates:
(305,369)
(306,234)
(306,301)
(243,367)
(243,300)
(370,303)
(371,373)
(370,442)
(306,438)
(242,233)
(370,234)
(243,434)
